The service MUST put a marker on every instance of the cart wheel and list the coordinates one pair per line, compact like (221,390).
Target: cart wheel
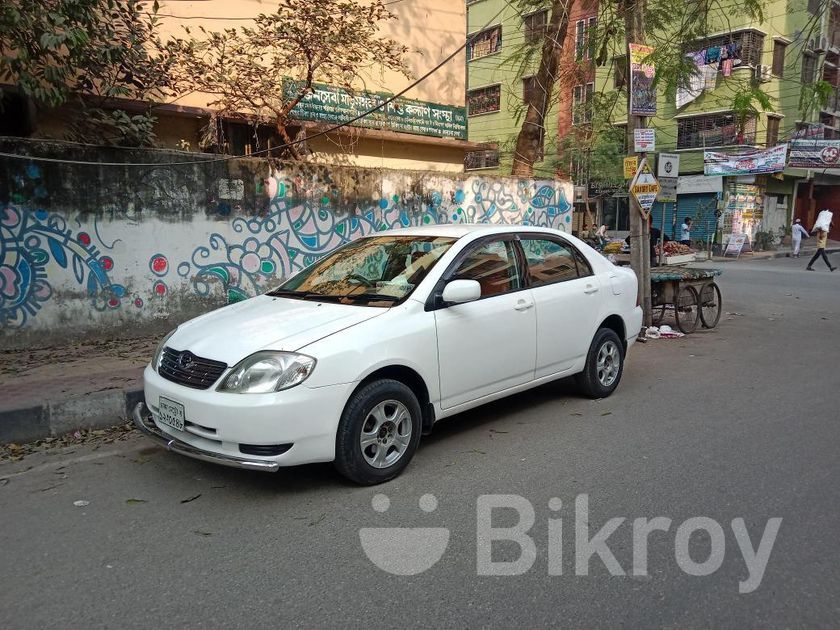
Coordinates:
(710,305)
(658,314)
(687,310)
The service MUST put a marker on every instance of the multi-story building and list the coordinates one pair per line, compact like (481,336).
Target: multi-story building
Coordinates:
(501,81)
(431,29)
(794,45)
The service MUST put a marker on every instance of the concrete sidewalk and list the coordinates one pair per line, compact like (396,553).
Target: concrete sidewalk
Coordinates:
(49,392)
(805,253)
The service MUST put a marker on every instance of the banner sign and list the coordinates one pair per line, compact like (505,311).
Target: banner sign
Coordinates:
(814,154)
(631,165)
(644,140)
(735,244)
(753,163)
(669,165)
(667,190)
(335,105)
(642,92)
(606,187)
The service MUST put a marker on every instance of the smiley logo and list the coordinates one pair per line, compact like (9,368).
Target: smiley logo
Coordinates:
(404,550)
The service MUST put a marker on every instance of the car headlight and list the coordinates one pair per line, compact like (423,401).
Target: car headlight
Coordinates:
(159,351)
(268,371)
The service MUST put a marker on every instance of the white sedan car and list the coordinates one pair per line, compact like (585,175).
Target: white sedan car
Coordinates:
(354,358)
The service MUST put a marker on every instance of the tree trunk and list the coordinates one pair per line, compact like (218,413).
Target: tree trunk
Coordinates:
(529,141)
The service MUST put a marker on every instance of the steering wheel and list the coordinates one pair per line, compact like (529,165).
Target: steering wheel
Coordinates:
(360,279)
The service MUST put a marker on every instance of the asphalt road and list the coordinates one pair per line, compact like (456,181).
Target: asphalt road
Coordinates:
(739,422)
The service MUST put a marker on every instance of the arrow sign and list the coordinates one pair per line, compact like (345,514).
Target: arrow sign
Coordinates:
(644,188)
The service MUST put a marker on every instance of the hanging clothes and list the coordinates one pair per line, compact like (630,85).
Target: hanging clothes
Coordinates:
(726,67)
(686,95)
(710,72)
(713,54)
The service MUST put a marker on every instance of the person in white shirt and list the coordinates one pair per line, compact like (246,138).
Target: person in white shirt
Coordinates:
(685,237)
(797,234)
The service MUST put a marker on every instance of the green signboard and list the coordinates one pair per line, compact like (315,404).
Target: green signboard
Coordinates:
(334,105)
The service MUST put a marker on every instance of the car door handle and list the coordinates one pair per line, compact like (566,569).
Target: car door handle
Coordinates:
(522,305)
(590,288)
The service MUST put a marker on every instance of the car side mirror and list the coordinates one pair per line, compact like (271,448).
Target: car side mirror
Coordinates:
(460,291)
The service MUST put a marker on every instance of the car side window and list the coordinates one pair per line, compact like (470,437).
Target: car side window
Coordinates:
(493,265)
(551,261)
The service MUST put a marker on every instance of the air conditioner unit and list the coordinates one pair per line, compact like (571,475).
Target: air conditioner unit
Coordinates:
(763,73)
(818,44)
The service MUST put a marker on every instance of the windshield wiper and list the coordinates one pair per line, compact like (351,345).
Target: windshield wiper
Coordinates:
(370,297)
(286,293)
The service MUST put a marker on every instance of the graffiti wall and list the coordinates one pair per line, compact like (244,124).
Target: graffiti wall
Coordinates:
(119,248)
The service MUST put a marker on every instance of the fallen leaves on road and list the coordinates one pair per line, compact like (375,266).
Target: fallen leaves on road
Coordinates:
(97,437)
(199,532)
(188,499)
(135,501)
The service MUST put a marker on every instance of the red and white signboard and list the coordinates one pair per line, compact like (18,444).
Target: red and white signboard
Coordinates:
(644,140)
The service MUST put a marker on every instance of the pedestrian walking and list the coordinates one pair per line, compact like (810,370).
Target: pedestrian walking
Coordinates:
(797,234)
(822,241)
(685,236)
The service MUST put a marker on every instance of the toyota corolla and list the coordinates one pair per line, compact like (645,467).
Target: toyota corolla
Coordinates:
(353,359)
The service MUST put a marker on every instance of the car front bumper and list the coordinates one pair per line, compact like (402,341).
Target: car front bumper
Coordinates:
(230,429)
(143,421)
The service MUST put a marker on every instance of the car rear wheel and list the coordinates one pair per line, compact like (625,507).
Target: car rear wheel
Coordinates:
(604,365)
(378,433)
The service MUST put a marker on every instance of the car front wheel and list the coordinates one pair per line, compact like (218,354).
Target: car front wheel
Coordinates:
(378,433)
(604,365)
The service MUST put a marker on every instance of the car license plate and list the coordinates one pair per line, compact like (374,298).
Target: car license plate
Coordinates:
(171,413)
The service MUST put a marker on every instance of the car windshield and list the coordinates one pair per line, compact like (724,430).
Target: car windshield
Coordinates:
(377,271)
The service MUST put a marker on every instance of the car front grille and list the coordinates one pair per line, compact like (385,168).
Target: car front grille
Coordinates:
(265,450)
(186,369)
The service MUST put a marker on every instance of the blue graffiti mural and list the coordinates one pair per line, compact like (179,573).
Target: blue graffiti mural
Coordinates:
(31,240)
(293,235)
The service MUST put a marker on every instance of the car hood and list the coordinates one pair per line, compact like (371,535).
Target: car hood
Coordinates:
(234,332)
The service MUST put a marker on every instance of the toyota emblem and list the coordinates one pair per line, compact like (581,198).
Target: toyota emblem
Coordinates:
(185,360)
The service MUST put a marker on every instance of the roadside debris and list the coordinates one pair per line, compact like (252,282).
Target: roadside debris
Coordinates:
(662,332)
(81,503)
(15,452)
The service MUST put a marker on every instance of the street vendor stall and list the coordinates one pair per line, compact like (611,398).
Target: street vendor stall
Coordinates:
(692,294)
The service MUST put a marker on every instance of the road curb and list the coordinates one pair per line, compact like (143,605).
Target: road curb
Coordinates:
(96,410)
(810,252)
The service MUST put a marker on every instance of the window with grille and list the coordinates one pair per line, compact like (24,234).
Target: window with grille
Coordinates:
(752,45)
(534,25)
(582,103)
(584,38)
(485,43)
(620,72)
(779,58)
(531,92)
(475,160)
(772,131)
(713,130)
(484,100)
(580,38)
(809,68)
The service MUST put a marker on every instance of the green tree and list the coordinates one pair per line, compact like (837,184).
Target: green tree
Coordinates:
(263,71)
(88,54)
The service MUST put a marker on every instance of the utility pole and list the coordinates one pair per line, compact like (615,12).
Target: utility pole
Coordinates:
(634,28)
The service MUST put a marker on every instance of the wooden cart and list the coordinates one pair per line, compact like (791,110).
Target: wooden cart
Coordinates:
(692,295)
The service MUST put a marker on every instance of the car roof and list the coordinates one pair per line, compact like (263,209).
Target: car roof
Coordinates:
(459,230)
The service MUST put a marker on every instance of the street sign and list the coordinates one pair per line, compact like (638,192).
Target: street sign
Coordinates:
(631,165)
(644,140)
(669,165)
(735,244)
(644,188)
(667,190)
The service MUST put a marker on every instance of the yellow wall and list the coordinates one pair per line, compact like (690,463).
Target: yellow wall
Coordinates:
(431,29)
